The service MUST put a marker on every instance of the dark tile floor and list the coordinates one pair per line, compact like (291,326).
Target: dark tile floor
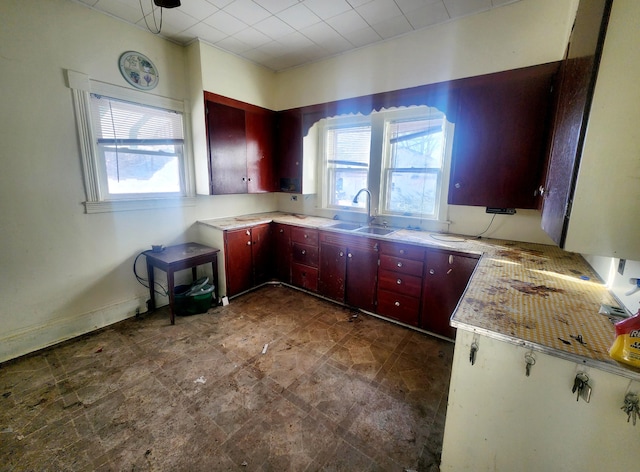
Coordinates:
(332,392)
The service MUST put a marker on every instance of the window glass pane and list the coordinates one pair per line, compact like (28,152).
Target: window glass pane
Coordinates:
(142,169)
(412,193)
(347,155)
(416,144)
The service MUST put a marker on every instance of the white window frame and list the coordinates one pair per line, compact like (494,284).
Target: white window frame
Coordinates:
(377,169)
(324,180)
(92,164)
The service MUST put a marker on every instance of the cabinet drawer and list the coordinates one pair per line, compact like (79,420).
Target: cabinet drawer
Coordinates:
(305,254)
(304,276)
(406,251)
(398,264)
(304,235)
(399,307)
(400,283)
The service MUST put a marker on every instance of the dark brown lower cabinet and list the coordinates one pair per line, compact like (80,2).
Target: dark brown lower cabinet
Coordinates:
(333,268)
(400,282)
(282,240)
(446,277)
(248,258)
(349,269)
(304,258)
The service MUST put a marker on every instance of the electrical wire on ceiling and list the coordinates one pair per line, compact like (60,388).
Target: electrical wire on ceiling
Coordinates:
(161,4)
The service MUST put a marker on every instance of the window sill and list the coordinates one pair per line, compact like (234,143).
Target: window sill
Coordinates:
(142,204)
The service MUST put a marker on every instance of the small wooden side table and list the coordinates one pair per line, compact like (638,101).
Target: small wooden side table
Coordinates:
(179,257)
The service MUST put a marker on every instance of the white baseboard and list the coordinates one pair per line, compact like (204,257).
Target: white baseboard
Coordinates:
(33,338)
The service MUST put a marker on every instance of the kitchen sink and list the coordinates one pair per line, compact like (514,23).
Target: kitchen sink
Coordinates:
(346,226)
(375,230)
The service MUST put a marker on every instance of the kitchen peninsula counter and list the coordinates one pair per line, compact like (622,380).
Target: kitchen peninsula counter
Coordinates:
(532,295)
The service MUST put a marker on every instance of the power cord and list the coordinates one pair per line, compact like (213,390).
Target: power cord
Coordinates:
(487,229)
(144,282)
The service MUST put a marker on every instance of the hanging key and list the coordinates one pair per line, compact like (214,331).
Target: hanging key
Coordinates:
(631,407)
(530,361)
(472,352)
(581,386)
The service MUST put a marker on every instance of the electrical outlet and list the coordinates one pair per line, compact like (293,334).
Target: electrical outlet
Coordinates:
(621,264)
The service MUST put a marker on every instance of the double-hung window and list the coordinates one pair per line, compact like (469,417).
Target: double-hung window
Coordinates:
(347,148)
(413,160)
(133,147)
(402,156)
(140,149)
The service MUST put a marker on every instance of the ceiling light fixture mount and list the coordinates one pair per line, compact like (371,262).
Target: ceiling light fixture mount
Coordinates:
(161,4)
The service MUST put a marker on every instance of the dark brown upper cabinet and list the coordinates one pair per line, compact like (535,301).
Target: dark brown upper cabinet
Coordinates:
(500,138)
(240,138)
(575,87)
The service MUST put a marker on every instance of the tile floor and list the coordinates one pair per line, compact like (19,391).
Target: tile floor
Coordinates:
(332,392)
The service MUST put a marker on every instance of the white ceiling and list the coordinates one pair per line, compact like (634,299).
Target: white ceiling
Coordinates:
(280,34)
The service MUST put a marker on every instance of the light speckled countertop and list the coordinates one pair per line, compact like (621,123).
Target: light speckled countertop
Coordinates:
(533,295)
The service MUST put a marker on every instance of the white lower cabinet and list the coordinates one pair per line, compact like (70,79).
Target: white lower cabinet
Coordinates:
(498,419)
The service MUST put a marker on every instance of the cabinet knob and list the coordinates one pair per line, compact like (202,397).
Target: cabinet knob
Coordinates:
(248,233)
(349,255)
(402,251)
(281,230)
(341,254)
(431,271)
(399,281)
(303,252)
(306,236)
(399,264)
(248,243)
(397,303)
(457,185)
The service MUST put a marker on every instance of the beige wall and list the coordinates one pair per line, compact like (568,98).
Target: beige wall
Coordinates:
(65,272)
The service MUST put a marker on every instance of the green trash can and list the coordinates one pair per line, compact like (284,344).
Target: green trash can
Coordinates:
(193,299)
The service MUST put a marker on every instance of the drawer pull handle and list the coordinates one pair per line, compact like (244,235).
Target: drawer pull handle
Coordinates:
(304,251)
(399,264)
(397,303)
(399,282)
(431,271)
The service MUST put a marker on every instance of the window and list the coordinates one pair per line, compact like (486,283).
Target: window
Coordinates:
(140,148)
(401,156)
(413,157)
(133,147)
(347,151)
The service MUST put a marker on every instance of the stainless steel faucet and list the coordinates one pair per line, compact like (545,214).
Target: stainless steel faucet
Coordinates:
(370,217)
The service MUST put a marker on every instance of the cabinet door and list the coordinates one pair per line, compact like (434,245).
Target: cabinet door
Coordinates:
(260,142)
(238,261)
(332,271)
(226,136)
(282,236)
(261,253)
(289,148)
(446,277)
(500,138)
(362,273)
(575,87)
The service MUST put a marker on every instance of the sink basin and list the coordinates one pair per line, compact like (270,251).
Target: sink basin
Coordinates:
(346,226)
(375,230)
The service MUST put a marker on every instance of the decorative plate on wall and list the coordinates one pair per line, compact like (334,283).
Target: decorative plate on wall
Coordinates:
(138,70)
